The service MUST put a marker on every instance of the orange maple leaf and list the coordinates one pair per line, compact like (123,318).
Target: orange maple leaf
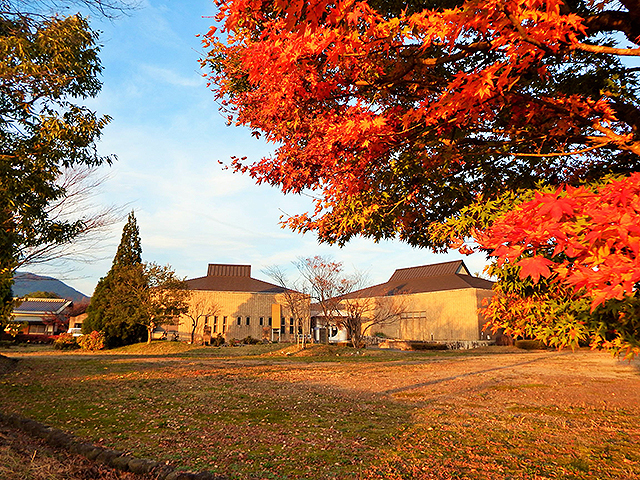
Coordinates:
(534,267)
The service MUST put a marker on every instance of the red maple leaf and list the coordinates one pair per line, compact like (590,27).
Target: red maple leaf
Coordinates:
(534,267)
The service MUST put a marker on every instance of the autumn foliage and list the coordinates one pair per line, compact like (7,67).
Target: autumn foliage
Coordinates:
(578,248)
(400,115)
(403,117)
(585,238)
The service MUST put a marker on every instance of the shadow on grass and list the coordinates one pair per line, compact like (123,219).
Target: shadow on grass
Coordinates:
(464,375)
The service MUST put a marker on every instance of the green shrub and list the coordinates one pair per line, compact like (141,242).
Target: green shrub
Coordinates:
(65,341)
(530,344)
(217,341)
(250,340)
(92,341)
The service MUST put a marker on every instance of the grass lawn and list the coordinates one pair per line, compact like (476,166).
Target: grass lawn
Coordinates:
(261,412)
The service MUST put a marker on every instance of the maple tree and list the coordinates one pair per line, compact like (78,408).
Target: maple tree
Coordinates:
(576,249)
(428,121)
(398,115)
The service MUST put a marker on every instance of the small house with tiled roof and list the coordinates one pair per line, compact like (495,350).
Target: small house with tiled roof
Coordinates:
(229,302)
(439,302)
(40,316)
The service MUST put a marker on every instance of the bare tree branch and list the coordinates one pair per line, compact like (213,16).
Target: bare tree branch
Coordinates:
(200,305)
(296,299)
(81,185)
(110,9)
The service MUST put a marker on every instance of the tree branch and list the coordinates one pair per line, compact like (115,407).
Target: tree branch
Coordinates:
(623,142)
(557,154)
(629,52)
(466,50)
(610,21)
(516,23)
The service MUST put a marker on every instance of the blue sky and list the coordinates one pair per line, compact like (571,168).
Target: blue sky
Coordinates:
(168,136)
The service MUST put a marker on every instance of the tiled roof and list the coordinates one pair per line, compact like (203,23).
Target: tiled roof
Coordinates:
(42,306)
(426,278)
(434,270)
(232,278)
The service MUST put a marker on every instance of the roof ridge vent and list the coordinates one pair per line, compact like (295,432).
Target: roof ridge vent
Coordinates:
(228,270)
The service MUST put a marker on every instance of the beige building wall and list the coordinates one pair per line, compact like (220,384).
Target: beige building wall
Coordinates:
(237,315)
(450,315)
(483,298)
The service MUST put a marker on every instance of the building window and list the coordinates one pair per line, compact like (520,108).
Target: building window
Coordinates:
(239,320)
(248,320)
(283,327)
(206,319)
(291,326)
(261,320)
(224,324)
(270,322)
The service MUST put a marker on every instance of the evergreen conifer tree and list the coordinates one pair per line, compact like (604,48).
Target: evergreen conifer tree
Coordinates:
(130,250)
(115,308)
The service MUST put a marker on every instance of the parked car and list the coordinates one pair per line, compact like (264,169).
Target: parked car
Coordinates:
(76,332)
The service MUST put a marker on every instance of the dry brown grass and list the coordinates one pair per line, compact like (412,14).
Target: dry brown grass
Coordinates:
(23,457)
(333,413)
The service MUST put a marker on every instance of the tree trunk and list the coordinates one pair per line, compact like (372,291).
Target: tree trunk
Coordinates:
(150,328)
(355,332)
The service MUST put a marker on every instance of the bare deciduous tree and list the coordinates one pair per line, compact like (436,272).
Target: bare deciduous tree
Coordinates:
(361,314)
(327,284)
(107,8)
(296,299)
(200,305)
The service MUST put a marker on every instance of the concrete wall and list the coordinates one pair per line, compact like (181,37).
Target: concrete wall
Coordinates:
(237,315)
(450,315)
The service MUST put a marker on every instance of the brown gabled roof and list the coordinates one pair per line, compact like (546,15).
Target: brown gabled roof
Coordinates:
(232,278)
(434,270)
(426,278)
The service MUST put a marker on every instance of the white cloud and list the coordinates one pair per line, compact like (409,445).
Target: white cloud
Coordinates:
(171,77)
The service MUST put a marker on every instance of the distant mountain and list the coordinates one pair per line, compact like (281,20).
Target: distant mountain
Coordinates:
(25,283)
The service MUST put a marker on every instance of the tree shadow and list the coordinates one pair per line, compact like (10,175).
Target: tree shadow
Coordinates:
(464,375)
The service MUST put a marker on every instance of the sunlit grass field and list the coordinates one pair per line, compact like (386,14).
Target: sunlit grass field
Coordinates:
(265,411)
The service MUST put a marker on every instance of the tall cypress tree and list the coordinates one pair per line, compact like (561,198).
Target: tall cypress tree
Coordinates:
(115,308)
(130,250)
